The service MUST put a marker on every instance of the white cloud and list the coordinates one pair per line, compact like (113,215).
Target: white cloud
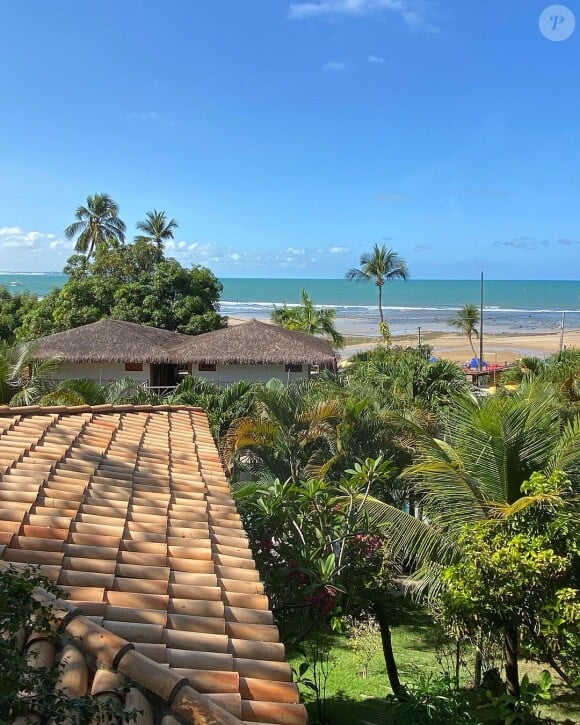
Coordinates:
(334,66)
(17,239)
(408,10)
(224,256)
(375,59)
(422,248)
(10,231)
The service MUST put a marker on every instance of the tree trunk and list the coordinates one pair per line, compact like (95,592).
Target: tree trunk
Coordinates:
(510,655)
(478,663)
(470,338)
(389,655)
(380,286)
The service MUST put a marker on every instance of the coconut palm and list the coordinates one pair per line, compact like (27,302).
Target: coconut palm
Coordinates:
(96,222)
(222,405)
(466,319)
(379,266)
(27,378)
(157,230)
(489,448)
(306,318)
(288,435)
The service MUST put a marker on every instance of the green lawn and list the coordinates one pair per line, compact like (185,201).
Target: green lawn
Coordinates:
(354,700)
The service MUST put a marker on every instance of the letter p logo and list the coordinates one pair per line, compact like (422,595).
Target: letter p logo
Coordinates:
(557,22)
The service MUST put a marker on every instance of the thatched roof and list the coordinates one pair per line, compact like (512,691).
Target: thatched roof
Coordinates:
(111,341)
(256,343)
(251,343)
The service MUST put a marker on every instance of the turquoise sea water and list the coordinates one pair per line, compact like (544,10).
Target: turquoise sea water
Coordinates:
(511,306)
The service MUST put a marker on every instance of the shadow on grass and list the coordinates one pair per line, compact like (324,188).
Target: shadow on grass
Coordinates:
(344,710)
(567,703)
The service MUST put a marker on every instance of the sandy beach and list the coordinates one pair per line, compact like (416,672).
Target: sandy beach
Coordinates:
(497,348)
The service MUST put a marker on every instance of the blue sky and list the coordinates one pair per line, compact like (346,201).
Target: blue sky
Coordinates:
(288,137)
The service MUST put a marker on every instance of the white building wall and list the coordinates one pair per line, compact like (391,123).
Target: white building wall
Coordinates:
(226,374)
(101,372)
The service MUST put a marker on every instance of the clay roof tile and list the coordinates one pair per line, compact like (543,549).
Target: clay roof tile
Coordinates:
(129,511)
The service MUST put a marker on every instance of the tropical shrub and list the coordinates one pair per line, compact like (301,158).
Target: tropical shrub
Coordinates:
(521,573)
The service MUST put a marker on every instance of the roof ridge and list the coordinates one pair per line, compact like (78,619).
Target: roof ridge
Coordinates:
(112,650)
(137,332)
(24,410)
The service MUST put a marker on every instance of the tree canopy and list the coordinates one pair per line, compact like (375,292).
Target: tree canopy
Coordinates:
(96,223)
(13,309)
(156,229)
(129,282)
(466,320)
(379,266)
(306,318)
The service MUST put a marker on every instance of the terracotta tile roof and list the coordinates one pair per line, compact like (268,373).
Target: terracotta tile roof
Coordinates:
(128,510)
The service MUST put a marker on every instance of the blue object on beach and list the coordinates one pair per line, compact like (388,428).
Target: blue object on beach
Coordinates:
(477,363)
(433,359)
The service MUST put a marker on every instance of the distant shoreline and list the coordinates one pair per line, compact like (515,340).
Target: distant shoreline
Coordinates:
(497,347)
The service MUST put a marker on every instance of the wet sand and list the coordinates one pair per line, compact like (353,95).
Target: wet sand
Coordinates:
(497,348)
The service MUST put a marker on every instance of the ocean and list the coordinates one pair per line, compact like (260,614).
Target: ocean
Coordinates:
(510,306)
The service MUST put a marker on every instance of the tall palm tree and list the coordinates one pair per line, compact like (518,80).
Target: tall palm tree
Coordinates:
(379,266)
(466,319)
(306,318)
(96,222)
(490,447)
(157,230)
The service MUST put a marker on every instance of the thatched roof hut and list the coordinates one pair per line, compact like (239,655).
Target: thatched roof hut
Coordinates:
(112,341)
(256,343)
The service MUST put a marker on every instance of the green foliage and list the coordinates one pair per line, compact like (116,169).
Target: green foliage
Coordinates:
(306,318)
(133,283)
(23,380)
(466,320)
(385,331)
(156,230)
(290,432)
(517,711)
(13,309)
(24,687)
(365,642)
(222,405)
(379,266)
(405,381)
(431,701)
(315,548)
(95,224)
(523,571)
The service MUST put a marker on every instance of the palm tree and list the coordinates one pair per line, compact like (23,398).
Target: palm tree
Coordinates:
(466,320)
(289,434)
(96,222)
(24,380)
(308,319)
(157,230)
(490,447)
(379,266)
(223,405)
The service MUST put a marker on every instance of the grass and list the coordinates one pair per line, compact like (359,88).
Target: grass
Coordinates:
(355,700)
